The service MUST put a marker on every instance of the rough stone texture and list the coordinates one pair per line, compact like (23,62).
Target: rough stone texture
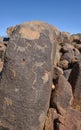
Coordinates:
(67,73)
(76,38)
(76,52)
(66,37)
(66,47)
(71,120)
(69,56)
(75,81)
(10,30)
(26,81)
(57,55)
(78,46)
(57,72)
(63,64)
(78,57)
(2,52)
(51,120)
(62,95)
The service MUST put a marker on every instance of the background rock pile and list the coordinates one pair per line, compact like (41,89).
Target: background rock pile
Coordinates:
(59,108)
(66,93)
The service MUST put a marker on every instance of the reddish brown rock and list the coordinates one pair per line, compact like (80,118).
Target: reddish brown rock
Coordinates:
(75,81)
(61,97)
(51,120)
(71,120)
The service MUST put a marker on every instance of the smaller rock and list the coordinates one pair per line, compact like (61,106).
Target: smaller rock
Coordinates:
(2,51)
(63,64)
(10,30)
(76,38)
(61,97)
(60,39)
(52,120)
(71,120)
(57,55)
(78,57)
(66,47)
(76,52)
(78,46)
(66,37)
(1,65)
(75,81)
(69,56)
(57,72)
(67,73)
(49,123)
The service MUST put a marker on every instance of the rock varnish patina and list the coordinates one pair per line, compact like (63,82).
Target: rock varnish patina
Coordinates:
(26,80)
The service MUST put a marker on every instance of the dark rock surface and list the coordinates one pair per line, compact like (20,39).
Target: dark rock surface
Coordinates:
(40,78)
(75,81)
(62,95)
(26,81)
(67,73)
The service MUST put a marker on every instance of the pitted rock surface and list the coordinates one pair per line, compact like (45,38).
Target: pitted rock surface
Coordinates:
(26,81)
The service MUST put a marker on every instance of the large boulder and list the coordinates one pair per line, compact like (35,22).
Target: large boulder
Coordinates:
(25,86)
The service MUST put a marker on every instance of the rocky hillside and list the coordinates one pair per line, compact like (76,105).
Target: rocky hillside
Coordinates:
(40,78)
